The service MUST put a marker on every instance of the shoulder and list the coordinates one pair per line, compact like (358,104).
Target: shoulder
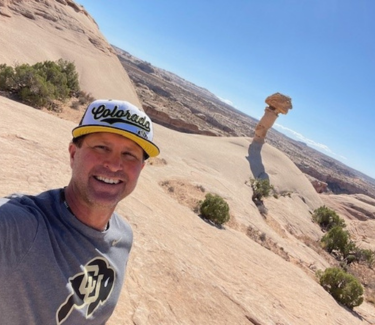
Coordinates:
(20,215)
(121,228)
(18,229)
(15,208)
(22,204)
(120,223)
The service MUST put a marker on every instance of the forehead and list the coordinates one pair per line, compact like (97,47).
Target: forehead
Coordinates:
(111,139)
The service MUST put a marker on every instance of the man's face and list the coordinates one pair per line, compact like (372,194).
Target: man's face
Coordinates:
(105,169)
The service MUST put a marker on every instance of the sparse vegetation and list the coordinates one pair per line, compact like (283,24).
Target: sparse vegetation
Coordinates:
(75,104)
(286,193)
(364,255)
(344,287)
(84,97)
(40,84)
(215,209)
(338,239)
(327,218)
(261,189)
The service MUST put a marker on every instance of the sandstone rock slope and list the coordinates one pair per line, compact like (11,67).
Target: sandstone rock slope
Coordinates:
(259,269)
(182,269)
(35,31)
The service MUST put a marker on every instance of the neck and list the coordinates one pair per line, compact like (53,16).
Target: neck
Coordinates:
(95,218)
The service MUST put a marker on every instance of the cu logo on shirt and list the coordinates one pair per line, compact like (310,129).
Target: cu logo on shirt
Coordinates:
(90,288)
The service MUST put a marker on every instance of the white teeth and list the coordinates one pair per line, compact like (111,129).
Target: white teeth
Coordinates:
(108,180)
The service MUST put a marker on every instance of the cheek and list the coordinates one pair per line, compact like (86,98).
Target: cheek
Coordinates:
(80,163)
(72,162)
(134,172)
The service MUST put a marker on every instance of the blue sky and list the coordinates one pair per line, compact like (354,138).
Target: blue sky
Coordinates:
(321,53)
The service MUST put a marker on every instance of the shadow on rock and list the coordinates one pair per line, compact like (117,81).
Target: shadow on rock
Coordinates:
(211,223)
(255,161)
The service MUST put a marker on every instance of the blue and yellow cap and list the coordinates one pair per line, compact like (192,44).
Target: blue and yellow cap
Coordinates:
(119,117)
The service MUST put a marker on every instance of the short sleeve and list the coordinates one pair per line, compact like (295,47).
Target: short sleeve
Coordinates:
(18,228)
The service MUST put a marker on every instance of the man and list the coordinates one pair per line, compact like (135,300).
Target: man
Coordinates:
(63,252)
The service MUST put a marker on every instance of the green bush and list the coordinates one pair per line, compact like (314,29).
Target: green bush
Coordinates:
(31,88)
(344,287)
(215,208)
(41,83)
(361,255)
(366,255)
(72,78)
(327,218)
(6,77)
(261,188)
(338,239)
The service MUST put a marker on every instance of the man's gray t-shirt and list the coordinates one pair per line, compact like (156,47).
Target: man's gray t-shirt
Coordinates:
(53,268)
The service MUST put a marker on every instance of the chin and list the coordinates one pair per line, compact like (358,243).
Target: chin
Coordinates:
(105,200)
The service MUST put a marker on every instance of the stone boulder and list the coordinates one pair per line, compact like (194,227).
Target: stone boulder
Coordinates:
(280,103)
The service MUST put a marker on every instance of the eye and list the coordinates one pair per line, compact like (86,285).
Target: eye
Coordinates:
(101,148)
(129,156)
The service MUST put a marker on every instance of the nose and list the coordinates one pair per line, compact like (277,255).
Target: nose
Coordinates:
(113,162)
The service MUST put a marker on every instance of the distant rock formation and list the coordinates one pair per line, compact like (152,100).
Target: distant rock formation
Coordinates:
(277,103)
(166,120)
(320,186)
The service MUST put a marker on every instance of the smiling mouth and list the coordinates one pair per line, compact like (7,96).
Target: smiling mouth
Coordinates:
(107,180)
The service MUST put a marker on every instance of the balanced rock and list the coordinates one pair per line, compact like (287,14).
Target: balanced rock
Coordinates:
(280,103)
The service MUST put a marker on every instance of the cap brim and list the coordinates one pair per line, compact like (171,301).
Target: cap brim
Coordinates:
(150,148)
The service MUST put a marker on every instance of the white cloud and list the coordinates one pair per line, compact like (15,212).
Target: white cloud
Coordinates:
(226,101)
(312,143)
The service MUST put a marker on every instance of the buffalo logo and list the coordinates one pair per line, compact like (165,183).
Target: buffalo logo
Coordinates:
(90,288)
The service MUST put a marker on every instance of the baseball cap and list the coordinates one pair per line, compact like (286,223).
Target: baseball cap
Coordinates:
(119,117)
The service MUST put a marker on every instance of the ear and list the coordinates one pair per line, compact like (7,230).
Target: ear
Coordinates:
(72,151)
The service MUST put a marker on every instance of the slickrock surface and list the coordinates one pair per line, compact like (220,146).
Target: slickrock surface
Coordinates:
(36,31)
(183,270)
(259,269)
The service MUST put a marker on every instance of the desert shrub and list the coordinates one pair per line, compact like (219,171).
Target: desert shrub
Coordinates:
(344,287)
(75,104)
(69,70)
(215,209)
(41,83)
(261,188)
(327,218)
(30,87)
(53,76)
(338,239)
(361,255)
(6,77)
(84,97)
(365,255)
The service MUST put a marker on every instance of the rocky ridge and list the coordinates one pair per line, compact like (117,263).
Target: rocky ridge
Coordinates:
(180,105)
